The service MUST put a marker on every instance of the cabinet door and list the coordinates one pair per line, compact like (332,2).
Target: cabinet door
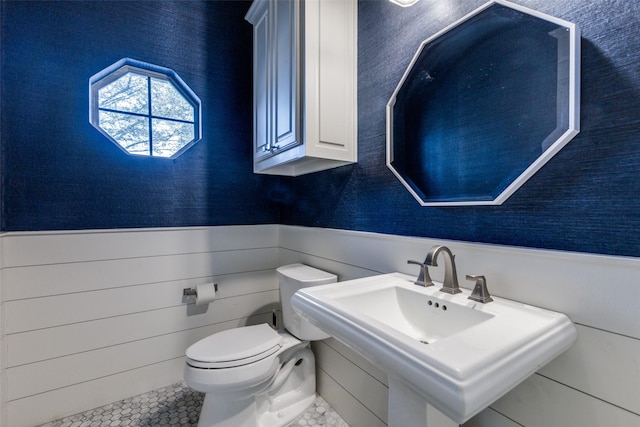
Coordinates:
(261,76)
(330,75)
(285,92)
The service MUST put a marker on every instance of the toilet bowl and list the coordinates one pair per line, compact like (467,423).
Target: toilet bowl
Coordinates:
(255,376)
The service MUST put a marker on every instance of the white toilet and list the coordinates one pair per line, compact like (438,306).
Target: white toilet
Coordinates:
(254,376)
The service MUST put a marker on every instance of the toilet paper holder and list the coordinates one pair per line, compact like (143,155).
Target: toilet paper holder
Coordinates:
(187,292)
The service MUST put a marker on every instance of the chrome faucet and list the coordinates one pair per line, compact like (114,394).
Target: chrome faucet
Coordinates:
(450,283)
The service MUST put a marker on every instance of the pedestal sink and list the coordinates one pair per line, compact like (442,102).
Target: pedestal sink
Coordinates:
(447,357)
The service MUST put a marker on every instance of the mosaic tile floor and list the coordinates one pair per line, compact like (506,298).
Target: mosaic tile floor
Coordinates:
(176,405)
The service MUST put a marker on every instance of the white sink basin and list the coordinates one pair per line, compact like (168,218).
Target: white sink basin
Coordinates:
(442,350)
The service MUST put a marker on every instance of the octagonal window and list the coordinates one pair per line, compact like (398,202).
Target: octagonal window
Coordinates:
(144,109)
(483,105)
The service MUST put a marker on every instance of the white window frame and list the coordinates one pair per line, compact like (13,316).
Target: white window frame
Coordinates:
(128,65)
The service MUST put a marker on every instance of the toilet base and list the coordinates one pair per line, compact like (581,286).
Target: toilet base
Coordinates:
(219,412)
(285,415)
(290,393)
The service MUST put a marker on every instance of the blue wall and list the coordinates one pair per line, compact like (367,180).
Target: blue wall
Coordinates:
(61,173)
(587,198)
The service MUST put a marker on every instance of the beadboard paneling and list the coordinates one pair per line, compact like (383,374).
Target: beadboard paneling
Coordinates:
(578,284)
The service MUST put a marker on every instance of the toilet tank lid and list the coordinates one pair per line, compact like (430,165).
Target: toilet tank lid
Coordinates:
(235,344)
(305,273)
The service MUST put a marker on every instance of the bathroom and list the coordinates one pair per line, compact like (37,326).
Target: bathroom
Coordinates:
(97,245)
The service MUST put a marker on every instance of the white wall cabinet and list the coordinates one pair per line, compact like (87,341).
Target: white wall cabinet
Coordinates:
(304,85)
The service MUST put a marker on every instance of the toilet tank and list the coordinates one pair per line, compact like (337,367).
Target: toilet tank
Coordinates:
(291,278)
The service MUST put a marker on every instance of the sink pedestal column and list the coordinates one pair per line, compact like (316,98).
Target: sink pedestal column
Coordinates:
(408,408)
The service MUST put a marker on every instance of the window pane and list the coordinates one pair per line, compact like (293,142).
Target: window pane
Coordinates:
(130,132)
(168,102)
(131,100)
(169,137)
(128,93)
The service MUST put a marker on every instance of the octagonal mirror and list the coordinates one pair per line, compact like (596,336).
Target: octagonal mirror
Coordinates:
(483,105)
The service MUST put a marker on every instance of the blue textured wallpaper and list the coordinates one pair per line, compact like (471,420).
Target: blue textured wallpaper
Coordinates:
(587,198)
(60,173)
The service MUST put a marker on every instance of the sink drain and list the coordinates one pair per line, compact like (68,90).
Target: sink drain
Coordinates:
(424,342)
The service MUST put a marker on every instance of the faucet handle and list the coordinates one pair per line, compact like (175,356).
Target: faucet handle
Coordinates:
(480,292)
(423,278)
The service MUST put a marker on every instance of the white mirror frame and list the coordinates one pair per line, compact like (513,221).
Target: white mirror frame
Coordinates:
(574,107)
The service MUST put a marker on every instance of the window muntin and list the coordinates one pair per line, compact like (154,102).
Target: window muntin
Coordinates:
(145,109)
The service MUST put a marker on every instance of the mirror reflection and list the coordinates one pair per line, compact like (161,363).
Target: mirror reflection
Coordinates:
(483,105)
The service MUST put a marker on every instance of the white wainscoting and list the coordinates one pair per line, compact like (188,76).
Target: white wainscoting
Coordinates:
(595,383)
(92,317)
(3,381)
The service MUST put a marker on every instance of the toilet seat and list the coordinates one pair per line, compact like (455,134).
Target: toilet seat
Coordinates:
(234,347)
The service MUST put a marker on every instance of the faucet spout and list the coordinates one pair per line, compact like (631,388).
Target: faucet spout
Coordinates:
(450,283)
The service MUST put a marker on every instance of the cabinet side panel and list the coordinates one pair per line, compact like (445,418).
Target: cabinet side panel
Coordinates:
(285,107)
(331,88)
(334,78)
(261,86)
